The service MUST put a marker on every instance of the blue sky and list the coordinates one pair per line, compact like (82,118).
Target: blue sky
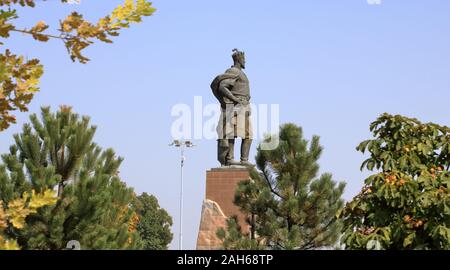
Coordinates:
(332,66)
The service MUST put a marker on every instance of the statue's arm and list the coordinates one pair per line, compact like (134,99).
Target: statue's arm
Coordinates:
(224,89)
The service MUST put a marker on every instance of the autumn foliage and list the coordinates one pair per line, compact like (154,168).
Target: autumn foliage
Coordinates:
(19,78)
(406,203)
(17,210)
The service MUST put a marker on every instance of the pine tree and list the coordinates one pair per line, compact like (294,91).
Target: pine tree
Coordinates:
(287,206)
(93,204)
(154,223)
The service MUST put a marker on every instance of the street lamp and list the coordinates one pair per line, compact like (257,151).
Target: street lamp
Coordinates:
(182,145)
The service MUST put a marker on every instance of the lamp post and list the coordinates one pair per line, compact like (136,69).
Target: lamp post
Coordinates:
(182,145)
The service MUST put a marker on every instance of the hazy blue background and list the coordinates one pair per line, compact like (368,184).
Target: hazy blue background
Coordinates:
(333,66)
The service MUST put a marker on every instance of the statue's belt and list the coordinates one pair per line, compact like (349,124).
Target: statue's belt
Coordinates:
(238,97)
(235,107)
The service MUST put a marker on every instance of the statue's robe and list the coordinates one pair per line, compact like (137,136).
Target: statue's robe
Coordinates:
(235,119)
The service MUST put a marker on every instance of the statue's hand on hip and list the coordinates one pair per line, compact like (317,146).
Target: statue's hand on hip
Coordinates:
(242,101)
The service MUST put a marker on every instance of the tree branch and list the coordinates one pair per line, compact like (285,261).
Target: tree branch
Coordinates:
(266,177)
(23,31)
(309,243)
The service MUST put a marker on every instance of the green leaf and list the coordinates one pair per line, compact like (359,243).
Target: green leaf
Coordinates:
(409,239)
(362,146)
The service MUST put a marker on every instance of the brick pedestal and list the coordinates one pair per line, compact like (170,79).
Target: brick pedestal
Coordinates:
(221,186)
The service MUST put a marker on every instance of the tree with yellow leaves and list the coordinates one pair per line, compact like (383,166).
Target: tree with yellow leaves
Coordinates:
(17,210)
(19,78)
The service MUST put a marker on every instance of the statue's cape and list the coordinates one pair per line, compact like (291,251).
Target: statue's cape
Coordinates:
(229,74)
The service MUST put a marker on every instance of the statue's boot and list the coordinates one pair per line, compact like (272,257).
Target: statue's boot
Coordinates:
(222,151)
(245,152)
(230,157)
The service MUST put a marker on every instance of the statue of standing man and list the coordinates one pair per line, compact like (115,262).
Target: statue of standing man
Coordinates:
(232,89)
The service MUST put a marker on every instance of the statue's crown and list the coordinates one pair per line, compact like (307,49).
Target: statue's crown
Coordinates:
(237,54)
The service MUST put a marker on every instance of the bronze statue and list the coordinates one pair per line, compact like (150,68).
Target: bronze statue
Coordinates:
(232,89)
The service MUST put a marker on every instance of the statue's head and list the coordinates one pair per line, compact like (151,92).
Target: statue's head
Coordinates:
(239,58)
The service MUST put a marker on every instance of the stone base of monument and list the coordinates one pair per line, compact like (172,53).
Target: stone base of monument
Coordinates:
(218,205)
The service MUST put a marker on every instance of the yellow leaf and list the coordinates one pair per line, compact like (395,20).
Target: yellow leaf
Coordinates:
(39,27)
(8,244)
(21,86)
(17,212)
(43,199)
(3,224)
(32,81)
